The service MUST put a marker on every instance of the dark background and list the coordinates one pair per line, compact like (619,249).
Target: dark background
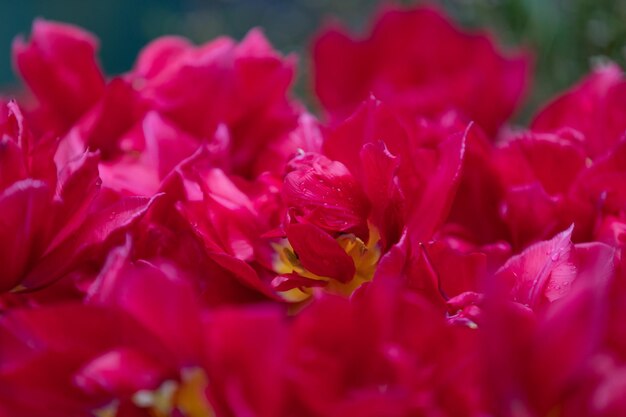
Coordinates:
(567,35)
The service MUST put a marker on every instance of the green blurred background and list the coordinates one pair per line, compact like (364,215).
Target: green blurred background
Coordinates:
(566,35)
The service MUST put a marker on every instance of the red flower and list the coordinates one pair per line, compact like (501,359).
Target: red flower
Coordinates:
(384,352)
(325,194)
(247,84)
(594,108)
(421,64)
(549,184)
(154,351)
(249,122)
(387,177)
(59,65)
(53,218)
(241,259)
(230,216)
(556,358)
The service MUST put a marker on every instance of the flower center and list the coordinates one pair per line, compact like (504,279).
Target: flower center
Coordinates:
(296,283)
(186,398)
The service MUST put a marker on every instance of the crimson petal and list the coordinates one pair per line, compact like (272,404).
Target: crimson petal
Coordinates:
(320,253)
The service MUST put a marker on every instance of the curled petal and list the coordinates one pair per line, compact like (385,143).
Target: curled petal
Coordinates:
(320,253)
(324,193)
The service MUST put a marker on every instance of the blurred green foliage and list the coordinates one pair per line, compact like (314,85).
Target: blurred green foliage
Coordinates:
(566,35)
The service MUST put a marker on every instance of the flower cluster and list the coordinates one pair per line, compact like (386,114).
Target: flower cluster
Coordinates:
(187,240)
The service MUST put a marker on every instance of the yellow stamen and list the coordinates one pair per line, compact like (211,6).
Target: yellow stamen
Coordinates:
(188,396)
(191,397)
(109,410)
(364,256)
